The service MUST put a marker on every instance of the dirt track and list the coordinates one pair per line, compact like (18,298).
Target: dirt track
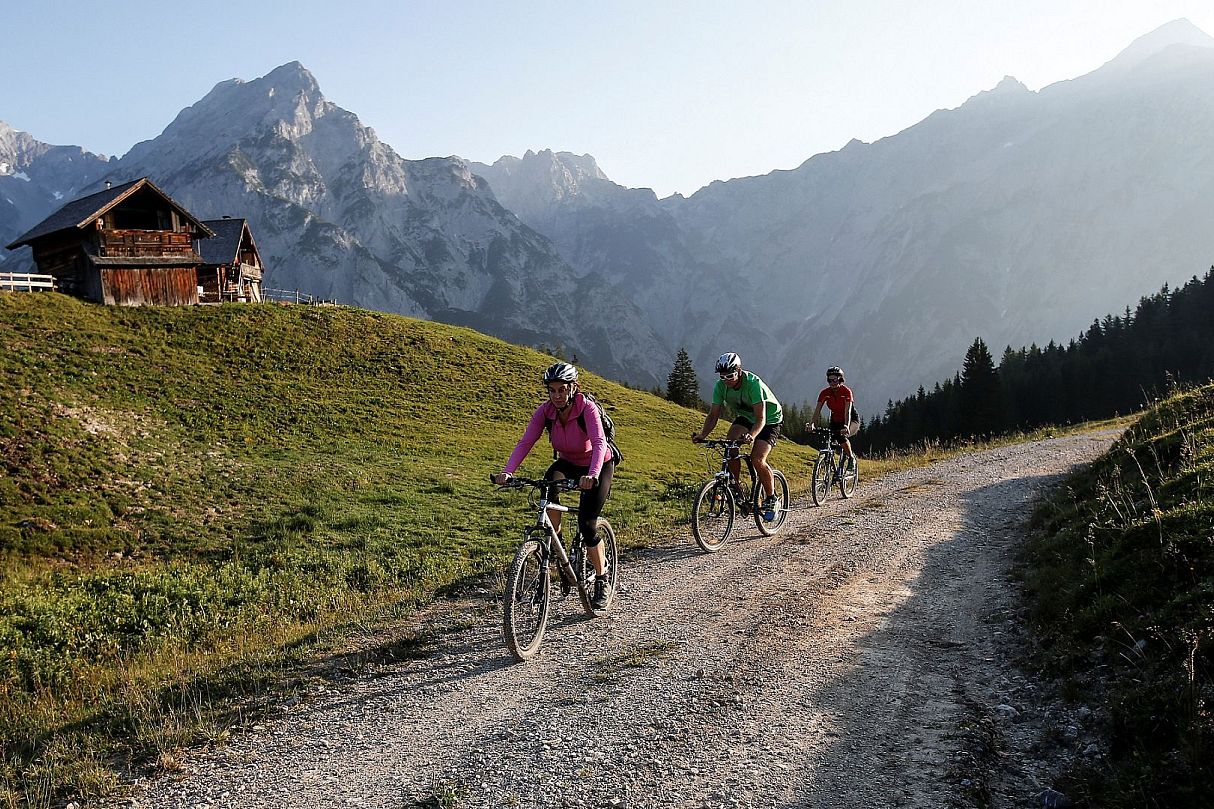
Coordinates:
(865,657)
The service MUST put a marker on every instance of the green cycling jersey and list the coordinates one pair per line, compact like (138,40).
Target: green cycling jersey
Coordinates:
(739,404)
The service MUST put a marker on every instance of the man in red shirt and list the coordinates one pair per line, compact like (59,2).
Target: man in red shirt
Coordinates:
(839,399)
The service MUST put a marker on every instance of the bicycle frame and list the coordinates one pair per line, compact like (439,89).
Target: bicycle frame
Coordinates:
(527,595)
(552,548)
(836,462)
(731,453)
(741,494)
(544,522)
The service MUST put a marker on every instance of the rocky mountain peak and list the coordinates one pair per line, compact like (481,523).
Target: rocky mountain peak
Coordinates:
(1008,89)
(1010,84)
(1179,32)
(293,78)
(284,103)
(540,179)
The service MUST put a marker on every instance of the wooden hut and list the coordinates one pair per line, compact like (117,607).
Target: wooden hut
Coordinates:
(231,265)
(127,245)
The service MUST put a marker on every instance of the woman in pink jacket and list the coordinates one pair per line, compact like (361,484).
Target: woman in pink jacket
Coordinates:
(582,454)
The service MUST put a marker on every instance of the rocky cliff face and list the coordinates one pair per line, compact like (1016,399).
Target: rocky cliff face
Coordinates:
(633,240)
(1018,217)
(338,213)
(35,179)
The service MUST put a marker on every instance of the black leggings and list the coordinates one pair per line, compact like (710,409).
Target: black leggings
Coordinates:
(590,503)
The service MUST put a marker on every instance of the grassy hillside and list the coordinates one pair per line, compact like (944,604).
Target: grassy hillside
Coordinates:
(1122,577)
(193,499)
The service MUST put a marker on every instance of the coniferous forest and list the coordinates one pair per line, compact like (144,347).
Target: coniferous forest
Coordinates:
(1117,365)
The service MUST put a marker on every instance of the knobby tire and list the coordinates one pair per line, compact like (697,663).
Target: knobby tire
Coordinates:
(823,470)
(527,599)
(712,515)
(611,556)
(849,478)
(780,485)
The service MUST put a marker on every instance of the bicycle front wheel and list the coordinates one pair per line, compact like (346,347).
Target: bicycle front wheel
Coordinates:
(712,515)
(780,486)
(526,600)
(821,478)
(611,559)
(851,476)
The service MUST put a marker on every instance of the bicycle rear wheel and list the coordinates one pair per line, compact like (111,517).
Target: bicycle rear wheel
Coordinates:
(780,486)
(851,476)
(611,558)
(823,469)
(526,600)
(712,515)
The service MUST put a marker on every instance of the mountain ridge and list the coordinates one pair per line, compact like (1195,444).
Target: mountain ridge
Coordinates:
(338,213)
(888,257)
(891,257)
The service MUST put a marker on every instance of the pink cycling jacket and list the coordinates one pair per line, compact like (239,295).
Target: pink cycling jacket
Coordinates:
(587,448)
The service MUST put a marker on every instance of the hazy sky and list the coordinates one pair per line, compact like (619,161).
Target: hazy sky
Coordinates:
(669,95)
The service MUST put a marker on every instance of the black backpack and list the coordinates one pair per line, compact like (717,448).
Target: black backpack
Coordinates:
(617,457)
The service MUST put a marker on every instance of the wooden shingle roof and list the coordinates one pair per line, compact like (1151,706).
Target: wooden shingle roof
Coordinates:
(80,213)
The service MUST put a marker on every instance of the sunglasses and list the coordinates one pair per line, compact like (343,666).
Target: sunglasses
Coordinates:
(834,379)
(730,374)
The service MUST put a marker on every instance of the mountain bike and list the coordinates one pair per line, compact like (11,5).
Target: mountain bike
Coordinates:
(712,512)
(540,558)
(832,467)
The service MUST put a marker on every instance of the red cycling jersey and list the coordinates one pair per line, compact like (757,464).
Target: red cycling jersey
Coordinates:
(838,399)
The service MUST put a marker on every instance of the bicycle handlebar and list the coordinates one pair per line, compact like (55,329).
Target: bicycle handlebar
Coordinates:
(565,484)
(829,434)
(717,443)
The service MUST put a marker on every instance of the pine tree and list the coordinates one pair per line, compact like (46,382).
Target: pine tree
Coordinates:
(682,387)
(980,395)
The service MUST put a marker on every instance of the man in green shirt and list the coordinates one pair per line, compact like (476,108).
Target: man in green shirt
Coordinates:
(758,418)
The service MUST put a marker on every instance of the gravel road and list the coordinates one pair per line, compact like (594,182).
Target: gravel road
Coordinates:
(865,656)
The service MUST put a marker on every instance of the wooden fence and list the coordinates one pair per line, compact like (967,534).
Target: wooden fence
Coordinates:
(27,282)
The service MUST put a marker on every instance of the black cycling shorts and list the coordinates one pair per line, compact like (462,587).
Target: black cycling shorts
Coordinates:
(590,502)
(770,432)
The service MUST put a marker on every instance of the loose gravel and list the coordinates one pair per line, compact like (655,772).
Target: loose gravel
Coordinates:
(865,656)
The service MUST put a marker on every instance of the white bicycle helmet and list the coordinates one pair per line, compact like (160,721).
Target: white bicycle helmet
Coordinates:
(560,372)
(728,362)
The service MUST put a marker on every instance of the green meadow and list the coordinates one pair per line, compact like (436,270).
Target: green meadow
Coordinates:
(200,504)
(197,500)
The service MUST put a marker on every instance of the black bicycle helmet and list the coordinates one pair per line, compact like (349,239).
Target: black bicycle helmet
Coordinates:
(560,372)
(728,362)
(835,370)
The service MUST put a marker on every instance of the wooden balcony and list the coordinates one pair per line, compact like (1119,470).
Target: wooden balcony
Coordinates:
(134,243)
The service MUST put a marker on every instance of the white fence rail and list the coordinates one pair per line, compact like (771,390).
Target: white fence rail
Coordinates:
(286,296)
(27,282)
(293,296)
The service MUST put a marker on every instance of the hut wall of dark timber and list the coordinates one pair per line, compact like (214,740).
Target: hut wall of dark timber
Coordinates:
(125,246)
(231,269)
